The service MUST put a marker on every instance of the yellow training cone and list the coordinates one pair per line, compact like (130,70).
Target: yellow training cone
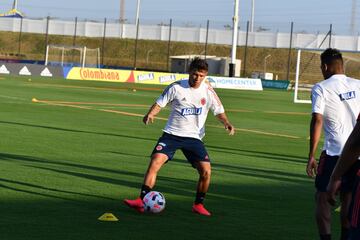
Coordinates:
(338,209)
(108,217)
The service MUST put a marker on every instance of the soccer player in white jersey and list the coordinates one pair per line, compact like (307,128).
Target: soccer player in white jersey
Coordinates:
(190,100)
(349,157)
(335,106)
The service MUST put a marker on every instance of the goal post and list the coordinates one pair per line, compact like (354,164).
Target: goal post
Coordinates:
(308,71)
(91,57)
(296,90)
(73,56)
(302,86)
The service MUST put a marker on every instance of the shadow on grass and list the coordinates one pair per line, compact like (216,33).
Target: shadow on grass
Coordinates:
(42,219)
(258,154)
(36,161)
(31,192)
(42,188)
(246,171)
(238,209)
(130,154)
(77,131)
(176,185)
(170,183)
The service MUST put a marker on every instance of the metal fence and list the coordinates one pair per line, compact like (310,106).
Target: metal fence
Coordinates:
(204,39)
(112,29)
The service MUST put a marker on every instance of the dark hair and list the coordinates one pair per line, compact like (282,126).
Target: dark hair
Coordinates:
(198,64)
(330,56)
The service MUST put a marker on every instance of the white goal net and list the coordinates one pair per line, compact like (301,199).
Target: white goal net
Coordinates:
(308,71)
(72,56)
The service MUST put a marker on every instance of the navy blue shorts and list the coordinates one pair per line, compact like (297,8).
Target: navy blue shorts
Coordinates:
(193,149)
(325,168)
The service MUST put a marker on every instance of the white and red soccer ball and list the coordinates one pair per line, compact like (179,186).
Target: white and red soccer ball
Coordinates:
(154,202)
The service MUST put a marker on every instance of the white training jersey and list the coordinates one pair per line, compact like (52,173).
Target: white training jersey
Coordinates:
(338,100)
(189,108)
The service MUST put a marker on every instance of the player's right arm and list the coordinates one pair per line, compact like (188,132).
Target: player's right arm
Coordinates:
(153,111)
(318,108)
(166,97)
(315,134)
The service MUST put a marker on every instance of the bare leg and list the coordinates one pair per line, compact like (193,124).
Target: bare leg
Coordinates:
(323,213)
(157,161)
(204,170)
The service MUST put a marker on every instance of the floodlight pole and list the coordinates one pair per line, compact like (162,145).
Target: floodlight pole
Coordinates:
(137,13)
(252,15)
(122,11)
(353,18)
(15,5)
(234,39)
(20,33)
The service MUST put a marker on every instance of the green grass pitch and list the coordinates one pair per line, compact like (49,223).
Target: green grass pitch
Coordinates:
(81,148)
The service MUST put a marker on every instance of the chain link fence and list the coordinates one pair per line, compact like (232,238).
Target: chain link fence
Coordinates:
(149,45)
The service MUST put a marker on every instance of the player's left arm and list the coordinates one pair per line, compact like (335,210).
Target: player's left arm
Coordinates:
(228,126)
(218,110)
(348,157)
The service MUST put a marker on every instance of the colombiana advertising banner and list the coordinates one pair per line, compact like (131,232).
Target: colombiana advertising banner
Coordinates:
(149,77)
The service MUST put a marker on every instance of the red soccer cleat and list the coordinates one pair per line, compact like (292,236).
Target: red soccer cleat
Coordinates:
(200,209)
(137,204)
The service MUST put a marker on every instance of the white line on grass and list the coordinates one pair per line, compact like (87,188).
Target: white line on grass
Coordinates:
(287,113)
(11,97)
(134,89)
(65,104)
(91,103)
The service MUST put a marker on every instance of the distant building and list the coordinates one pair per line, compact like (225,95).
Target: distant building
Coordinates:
(217,65)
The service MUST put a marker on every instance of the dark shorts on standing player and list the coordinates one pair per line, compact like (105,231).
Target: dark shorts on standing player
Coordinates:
(193,149)
(325,168)
(354,213)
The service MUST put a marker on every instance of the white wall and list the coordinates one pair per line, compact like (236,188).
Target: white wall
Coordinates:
(182,34)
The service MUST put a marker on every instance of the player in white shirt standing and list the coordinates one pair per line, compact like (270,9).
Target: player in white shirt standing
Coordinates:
(190,101)
(335,107)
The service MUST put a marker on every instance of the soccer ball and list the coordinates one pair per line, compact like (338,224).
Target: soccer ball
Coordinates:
(154,202)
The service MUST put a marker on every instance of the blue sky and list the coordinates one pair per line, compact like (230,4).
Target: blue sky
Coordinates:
(276,15)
